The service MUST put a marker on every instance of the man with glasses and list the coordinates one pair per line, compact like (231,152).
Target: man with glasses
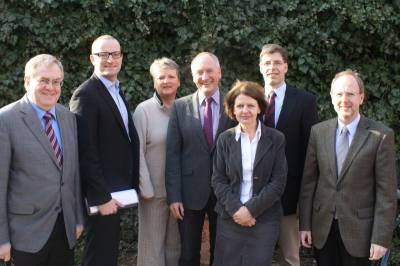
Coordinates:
(41,214)
(108,149)
(348,193)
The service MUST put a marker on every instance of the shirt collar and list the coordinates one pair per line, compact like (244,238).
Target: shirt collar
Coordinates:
(280,91)
(108,83)
(215,97)
(40,112)
(238,132)
(352,127)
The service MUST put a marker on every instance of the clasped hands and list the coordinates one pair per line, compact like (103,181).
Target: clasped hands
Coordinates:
(243,217)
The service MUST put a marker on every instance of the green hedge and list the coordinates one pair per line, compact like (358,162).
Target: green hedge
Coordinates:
(322,38)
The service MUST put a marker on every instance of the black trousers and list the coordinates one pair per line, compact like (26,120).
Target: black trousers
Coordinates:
(102,240)
(190,229)
(55,252)
(334,253)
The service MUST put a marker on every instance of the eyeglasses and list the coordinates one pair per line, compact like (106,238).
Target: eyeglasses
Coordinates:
(106,55)
(55,83)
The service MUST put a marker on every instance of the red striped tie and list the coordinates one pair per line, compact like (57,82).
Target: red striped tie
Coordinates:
(270,112)
(52,137)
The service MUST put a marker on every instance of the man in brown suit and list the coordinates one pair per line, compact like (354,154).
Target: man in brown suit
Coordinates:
(348,192)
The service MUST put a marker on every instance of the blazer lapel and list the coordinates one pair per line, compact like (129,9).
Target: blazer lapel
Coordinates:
(329,138)
(32,122)
(198,128)
(110,102)
(358,142)
(236,153)
(263,147)
(66,134)
(289,103)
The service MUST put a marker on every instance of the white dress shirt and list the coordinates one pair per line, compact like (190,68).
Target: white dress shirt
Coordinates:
(248,148)
(280,96)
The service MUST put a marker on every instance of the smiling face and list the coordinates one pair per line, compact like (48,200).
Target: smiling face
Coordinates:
(166,81)
(346,98)
(110,67)
(273,68)
(206,74)
(43,86)
(246,110)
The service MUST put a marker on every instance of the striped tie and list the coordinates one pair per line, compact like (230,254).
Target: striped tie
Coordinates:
(52,137)
(270,112)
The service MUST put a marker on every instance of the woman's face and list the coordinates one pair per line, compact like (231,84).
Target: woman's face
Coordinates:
(246,110)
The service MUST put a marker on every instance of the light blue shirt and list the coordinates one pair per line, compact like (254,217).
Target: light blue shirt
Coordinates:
(352,129)
(215,107)
(113,89)
(54,123)
(280,96)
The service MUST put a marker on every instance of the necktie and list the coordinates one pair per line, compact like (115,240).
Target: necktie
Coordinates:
(208,123)
(343,148)
(52,137)
(270,112)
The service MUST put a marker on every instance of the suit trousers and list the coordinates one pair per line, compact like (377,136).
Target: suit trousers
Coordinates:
(334,253)
(102,240)
(159,242)
(55,252)
(190,229)
(289,241)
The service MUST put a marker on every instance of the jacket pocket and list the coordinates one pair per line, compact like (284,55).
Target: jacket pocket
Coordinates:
(21,209)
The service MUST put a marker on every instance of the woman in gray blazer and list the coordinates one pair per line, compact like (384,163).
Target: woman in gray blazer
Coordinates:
(249,178)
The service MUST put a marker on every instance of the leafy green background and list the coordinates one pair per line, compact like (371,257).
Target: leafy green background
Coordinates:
(321,36)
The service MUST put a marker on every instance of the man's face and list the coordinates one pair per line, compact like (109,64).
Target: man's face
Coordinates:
(206,74)
(346,98)
(166,81)
(44,86)
(106,67)
(273,69)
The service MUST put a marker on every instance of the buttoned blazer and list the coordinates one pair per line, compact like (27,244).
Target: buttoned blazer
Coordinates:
(109,158)
(33,188)
(269,175)
(188,159)
(298,115)
(363,195)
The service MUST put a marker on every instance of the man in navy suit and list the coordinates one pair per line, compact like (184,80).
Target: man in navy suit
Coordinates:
(293,113)
(108,149)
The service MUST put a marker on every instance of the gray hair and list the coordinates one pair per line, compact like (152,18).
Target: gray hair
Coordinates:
(164,63)
(352,73)
(41,60)
(213,56)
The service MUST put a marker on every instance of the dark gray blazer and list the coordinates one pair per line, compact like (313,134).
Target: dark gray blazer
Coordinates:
(363,195)
(269,175)
(33,187)
(189,161)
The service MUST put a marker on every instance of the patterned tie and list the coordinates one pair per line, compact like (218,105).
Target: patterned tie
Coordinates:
(52,137)
(343,148)
(208,123)
(270,112)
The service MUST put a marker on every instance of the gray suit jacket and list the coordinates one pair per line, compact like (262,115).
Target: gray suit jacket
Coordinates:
(363,195)
(269,175)
(188,166)
(33,188)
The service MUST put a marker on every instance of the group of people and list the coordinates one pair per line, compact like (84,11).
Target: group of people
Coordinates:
(255,161)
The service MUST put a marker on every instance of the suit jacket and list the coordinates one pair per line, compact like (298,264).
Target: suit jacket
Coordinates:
(188,167)
(298,114)
(363,195)
(109,158)
(33,188)
(269,175)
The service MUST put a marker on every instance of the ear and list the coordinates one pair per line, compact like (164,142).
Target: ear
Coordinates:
(91,57)
(362,98)
(26,83)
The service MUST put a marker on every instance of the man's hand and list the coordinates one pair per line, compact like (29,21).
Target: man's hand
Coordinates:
(376,252)
(78,231)
(110,207)
(244,217)
(306,239)
(5,252)
(177,210)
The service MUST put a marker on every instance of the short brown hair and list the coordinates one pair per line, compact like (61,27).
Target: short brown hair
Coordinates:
(272,48)
(352,73)
(248,88)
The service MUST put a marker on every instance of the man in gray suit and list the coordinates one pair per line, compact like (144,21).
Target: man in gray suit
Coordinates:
(195,123)
(348,193)
(40,201)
